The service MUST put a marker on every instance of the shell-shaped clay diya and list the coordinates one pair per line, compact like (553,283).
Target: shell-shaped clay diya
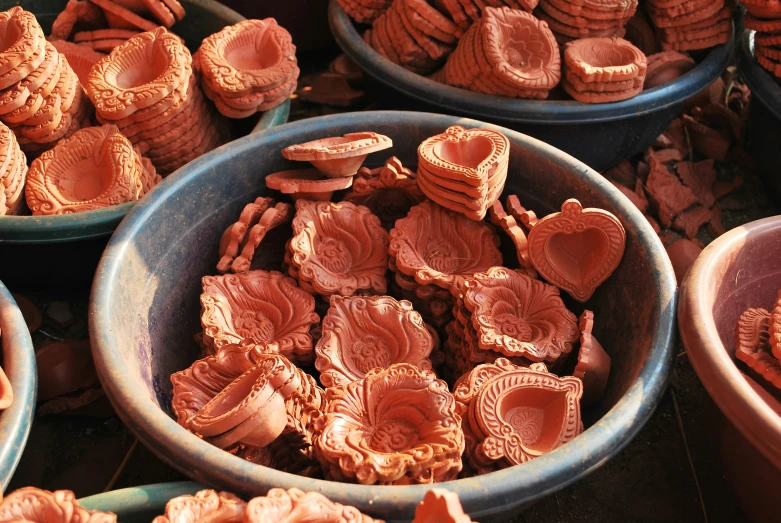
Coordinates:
(139,73)
(361,333)
(519,316)
(258,309)
(577,249)
(440,506)
(604,59)
(752,345)
(593,366)
(339,248)
(338,156)
(389,191)
(296,505)
(41,506)
(205,505)
(95,168)
(394,425)
(775,328)
(442,247)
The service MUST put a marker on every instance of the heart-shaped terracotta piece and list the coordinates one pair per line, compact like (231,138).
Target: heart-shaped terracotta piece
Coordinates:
(577,249)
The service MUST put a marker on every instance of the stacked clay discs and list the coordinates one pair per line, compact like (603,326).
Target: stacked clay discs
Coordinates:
(765,19)
(692,24)
(147,88)
(81,59)
(507,52)
(97,167)
(599,70)
(104,40)
(573,19)
(248,67)
(365,11)
(13,172)
(40,96)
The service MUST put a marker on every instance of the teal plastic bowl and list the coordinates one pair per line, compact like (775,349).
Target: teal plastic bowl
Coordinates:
(139,504)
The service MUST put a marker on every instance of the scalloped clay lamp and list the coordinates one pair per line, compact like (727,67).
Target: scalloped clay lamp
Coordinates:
(307,184)
(572,20)
(752,347)
(296,505)
(79,57)
(665,67)
(577,249)
(34,505)
(464,169)
(258,309)
(13,174)
(339,248)
(603,70)
(394,426)
(248,67)
(272,218)
(593,364)
(681,28)
(364,11)
(440,506)
(235,236)
(338,156)
(361,333)
(506,52)
(389,191)
(205,505)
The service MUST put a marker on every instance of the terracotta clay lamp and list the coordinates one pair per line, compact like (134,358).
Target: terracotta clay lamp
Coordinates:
(752,347)
(271,218)
(296,505)
(222,507)
(307,184)
(80,58)
(81,12)
(774,328)
(691,25)
(571,20)
(338,156)
(603,70)
(6,392)
(665,67)
(394,426)
(361,333)
(365,11)
(95,168)
(41,506)
(339,248)
(258,309)
(440,506)
(500,218)
(13,173)
(768,9)
(593,364)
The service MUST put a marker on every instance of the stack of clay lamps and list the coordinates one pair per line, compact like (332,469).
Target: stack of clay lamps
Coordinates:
(248,67)
(512,414)
(758,345)
(432,253)
(337,248)
(104,40)
(41,99)
(464,169)
(80,58)
(412,405)
(665,67)
(41,506)
(573,19)
(365,11)
(121,16)
(685,26)
(147,88)
(13,174)
(507,52)
(97,167)
(765,19)
(77,12)
(599,70)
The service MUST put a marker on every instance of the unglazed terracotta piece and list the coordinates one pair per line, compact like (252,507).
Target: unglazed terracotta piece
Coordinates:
(294,505)
(500,218)
(774,329)
(339,248)
(258,309)
(80,59)
(280,214)
(394,426)
(605,59)
(361,333)
(577,249)
(307,184)
(205,505)
(76,11)
(338,156)
(6,392)
(65,367)
(440,506)
(234,237)
(41,506)
(752,346)
(13,173)
(32,314)
(665,67)
(593,365)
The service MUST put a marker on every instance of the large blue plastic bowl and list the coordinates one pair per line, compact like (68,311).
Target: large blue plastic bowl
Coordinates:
(145,309)
(139,504)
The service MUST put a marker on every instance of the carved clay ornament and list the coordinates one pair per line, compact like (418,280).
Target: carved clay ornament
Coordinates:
(362,333)
(593,365)
(774,329)
(295,505)
(258,309)
(605,60)
(41,506)
(13,173)
(500,218)
(339,248)
(272,218)
(307,184)
(338,156)
(752,346)
(76,11)
(577,249)
(234,237)
(395,425)
(205,505)
(440,506)
(22,37)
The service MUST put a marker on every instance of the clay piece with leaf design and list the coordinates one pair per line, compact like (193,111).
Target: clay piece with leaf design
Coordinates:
(13,175)
(753,347)
(361,333)
(577,249)
(338,156)
(593,363)
(204,505)
(41,506)
(464,169)
(440,506)
(248,67)
(393,426)
(571,20)
(602,70)
(339,248)
(294,505)
(258,309)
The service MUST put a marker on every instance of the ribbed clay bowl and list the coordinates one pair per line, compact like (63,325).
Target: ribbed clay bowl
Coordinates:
(204,17)
(606,133)
(145,308)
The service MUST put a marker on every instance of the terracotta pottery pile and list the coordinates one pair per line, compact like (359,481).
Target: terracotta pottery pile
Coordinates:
(684,26)
(147,88)
(40,96)
(41,506)
(6,392)
(97,167)
(13,173)
(573,19)
(758,345)
(80,58)
(248,67)
(365,11)
(765,19)
(603,70)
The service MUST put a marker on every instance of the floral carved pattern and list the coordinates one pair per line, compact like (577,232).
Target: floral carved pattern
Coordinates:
(34,505)
(205,505)
(296,505)
(752,345)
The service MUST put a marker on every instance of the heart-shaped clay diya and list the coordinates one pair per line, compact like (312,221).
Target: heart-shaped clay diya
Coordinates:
(593,365)
(338,156)
(205,505)
(752,347)
(440,506)
(577,249)
(394,426)
(361,333)
(296,505)
(41,506)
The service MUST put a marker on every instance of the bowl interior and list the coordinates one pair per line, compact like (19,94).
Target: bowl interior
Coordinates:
(145,306)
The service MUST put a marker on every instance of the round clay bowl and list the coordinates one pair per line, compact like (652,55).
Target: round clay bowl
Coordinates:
(764,120)
(139,504)
(19,365)
(139,331)
(600,135)
(746,260)
(204,17)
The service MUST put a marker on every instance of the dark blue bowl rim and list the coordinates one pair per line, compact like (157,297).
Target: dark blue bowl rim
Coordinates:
(19,365)
(481,496)
(762,85)
(510,110)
